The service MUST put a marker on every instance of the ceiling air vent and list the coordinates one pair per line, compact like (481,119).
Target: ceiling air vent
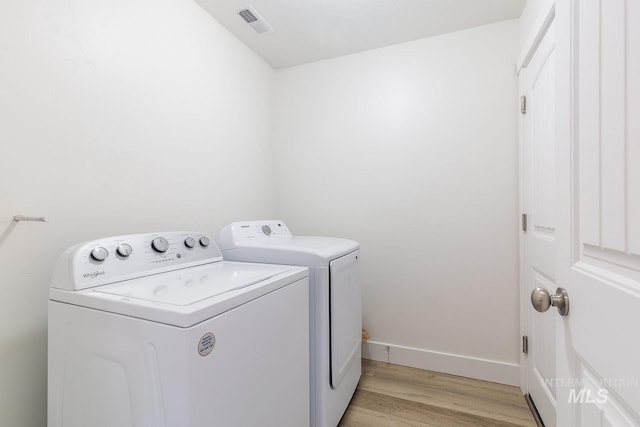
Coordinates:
(248,16)
(253,18)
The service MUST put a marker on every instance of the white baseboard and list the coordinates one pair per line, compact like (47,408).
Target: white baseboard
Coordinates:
(465,366)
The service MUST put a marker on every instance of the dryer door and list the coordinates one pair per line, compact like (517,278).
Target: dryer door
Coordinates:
(345,299)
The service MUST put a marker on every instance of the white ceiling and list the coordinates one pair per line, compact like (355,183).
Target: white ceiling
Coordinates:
(311,30)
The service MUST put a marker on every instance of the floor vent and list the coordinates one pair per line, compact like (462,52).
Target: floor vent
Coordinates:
(253,18)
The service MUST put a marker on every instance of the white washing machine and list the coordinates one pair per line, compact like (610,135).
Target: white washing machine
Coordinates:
(335,304)
(156,330)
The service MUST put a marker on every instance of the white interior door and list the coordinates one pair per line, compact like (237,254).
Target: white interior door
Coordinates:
(598,343)
(538,81)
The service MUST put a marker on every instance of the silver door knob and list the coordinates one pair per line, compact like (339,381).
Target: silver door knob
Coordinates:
(541,300)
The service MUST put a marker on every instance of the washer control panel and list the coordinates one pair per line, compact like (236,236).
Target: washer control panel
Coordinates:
(117,258)
(266,231)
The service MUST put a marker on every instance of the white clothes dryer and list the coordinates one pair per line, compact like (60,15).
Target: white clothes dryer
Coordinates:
(335,304)
(156,330)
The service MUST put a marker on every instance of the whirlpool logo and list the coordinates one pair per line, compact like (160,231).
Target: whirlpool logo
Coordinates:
(93,275)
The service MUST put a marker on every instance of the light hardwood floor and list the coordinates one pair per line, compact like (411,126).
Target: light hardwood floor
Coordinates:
(393,395)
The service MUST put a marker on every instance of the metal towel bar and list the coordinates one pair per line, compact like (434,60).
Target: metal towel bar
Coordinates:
(29,218)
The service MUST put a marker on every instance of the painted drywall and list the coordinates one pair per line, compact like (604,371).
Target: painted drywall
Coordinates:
(412,150)
(116,117)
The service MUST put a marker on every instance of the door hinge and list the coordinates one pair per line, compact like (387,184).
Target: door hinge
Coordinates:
(523,104)
(525,344)
(524,222)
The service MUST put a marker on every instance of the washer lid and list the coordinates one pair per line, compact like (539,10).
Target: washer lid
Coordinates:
(185,297)
(186,287)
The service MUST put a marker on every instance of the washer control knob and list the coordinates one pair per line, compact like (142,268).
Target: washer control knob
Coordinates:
(189,242)
(266,229)
(160,244)
(204,241)
(99,254)
(124,250)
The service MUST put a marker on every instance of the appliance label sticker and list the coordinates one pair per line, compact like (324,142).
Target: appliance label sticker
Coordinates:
(206,344)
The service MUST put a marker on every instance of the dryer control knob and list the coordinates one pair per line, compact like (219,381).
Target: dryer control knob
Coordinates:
(204,241)
(124,250)
(189,242)
(159,244)
(99,254)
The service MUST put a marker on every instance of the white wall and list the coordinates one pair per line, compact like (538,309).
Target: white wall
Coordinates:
(116,117)
(412,150)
